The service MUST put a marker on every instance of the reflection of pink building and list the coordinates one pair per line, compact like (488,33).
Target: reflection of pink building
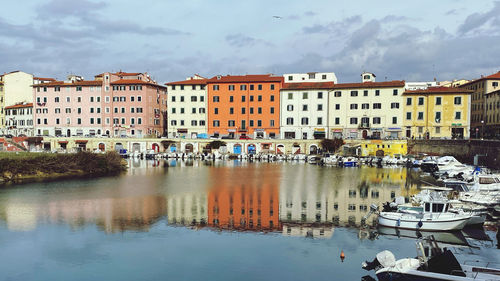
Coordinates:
(115,104)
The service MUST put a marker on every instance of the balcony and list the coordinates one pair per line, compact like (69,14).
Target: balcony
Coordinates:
(364,126)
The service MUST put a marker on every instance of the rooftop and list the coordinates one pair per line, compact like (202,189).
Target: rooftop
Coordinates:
(385,84)
(245,79)
(189,82)
(495,76)
(21,105)
(438,90)
(308,85)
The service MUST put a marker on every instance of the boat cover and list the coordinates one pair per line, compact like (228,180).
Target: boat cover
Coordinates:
(386,258)
(445,263)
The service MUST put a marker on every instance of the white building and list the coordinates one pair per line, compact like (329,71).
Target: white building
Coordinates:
(19,119)
(304,105)
(366,110)
(187,103)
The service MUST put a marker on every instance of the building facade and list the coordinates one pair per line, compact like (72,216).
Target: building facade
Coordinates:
(113,104)
(304,110)
(368,109)
(246,105)
(187,100)
(437,112)
(19,119)
(2,108)
(483,119)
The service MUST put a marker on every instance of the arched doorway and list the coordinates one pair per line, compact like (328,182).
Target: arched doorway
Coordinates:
(296,148)
(379,153)
(118,146)
(189,148)
(251,149)
(102,147)
(365,134)
(156,147)
(173,148)
(313,149)
(136,147)
(280,149)
(68,133)
(237,149)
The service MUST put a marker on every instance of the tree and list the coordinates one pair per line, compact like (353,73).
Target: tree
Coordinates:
(331,145)
(167,143)
(216,144)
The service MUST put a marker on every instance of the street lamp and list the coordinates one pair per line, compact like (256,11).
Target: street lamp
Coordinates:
(482,129)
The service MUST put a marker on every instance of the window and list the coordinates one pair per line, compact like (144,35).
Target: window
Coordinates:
(251,110)
(56,99)
(290,78)
(365,93)
(231,110)
(395,105)
(320,121)
(215,99)
(251,87)
(290,96)
(494,84)
(259,98)
(354,120)
(377,106)
(271,123)
(194,98)
(231,87)
(354,106)
(215,87)
(458,115)
(337,120)
(394,120)
(304,96)
(243,87)
(231,123)
(395,92)
(438,100)
(337,106)
(354,93)
(231,99)
(243,110)
(438,117)
(337,94)
(377,93)
(320,107)
(78,89)
(259,123)
(251,123)
(251,98)
(259,110)
(458,100)
(420,116)
(305,121)
(320,95)
(79,99)
(216,111)
(438,130)
(408,101)
(289,107)
(289,121)
(376,120)
(420,101)
(272,110)
(243,98)
(259,87)
(193,110)
(408,115)
(365,106)
(304,107)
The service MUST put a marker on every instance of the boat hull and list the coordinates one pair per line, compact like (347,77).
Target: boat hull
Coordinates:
(406,222)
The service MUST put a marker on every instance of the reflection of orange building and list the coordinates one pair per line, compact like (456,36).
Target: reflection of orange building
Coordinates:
(241,199)
(247,104)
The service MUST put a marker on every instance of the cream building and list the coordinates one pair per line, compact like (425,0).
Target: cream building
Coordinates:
(368,109)
(187,208)
(187,105)
(304,105)
(19,119)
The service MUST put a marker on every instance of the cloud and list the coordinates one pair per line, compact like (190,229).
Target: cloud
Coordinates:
(452,12)
(310,14)
(240,40)
(335,28)
(477,20)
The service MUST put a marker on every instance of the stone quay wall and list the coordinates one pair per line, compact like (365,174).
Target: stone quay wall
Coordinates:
(462,150)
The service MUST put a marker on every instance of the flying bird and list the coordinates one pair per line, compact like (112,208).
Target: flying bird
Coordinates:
(277,17)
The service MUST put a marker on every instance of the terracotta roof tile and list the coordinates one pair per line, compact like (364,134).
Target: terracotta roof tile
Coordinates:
(189,82)
(134,82)
(438,90)
(308,85)
(19,106)
(74,84)
(385,84)
(495,76)
(245,79)
(44,79)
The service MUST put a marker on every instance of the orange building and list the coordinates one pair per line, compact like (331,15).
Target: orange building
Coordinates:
(244,105)
(252,205)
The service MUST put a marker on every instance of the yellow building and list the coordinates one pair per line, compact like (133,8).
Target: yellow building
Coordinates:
(437,112)
(2,107)
(383,147)
(454,83)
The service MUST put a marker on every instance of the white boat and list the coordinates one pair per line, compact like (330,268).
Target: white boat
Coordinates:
(432,216)
(485,183)
(431,263)
(330,160)
(349,162)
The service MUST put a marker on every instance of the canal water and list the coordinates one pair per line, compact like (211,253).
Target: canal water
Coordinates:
(175,220)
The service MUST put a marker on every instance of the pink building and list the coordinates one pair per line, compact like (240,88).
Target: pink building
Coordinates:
(114,104)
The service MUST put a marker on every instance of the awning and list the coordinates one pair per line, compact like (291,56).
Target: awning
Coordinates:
(319,130)
(337,130)
(63,142)
(319,133)
(81,141)
(231,130)
(182,131)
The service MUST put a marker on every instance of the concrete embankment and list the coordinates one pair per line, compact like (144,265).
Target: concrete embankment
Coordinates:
(463,150)
(21,167)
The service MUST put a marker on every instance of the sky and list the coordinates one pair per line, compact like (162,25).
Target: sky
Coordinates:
(171,40)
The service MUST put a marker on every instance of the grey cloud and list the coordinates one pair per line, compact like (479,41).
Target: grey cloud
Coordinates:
(64,8)
(451,12)
(240,40)
(477,20)
(394,18)
(310,13)
(336,28)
